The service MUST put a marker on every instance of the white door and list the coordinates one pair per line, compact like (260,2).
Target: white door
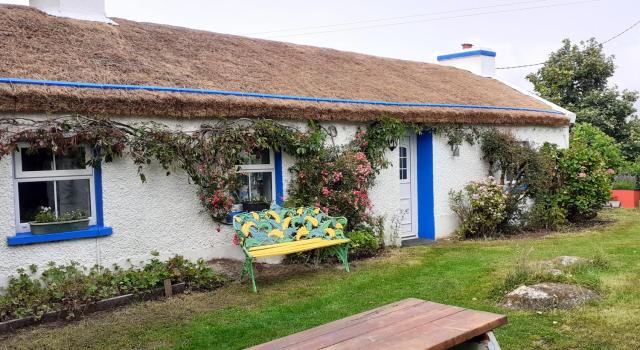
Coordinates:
(407,176)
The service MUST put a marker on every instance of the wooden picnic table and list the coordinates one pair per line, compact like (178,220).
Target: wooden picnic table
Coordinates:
(406,324)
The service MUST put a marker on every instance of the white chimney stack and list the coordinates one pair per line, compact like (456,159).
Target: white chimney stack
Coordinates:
(478,61)
(88,10)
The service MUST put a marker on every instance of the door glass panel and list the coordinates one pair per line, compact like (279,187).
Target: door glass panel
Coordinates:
(74,195)
(72,159)
(403,163)
(33,196)
(38,159)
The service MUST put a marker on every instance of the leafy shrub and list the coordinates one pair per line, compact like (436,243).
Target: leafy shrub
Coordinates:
(584,182)
(481,208)
(585,135)
(524,172)
(364,243)
(69,287)
(545,213)
(630,168)
(337,180)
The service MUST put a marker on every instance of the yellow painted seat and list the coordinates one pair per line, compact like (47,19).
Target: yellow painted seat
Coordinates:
(293,247)
(282,231)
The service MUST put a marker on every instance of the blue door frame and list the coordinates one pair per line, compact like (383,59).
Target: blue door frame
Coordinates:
(426,210)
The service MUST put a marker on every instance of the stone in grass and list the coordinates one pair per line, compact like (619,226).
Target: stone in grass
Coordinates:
(568,260)
(548,295)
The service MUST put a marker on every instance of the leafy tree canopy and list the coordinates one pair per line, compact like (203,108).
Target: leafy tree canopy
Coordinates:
(576,78)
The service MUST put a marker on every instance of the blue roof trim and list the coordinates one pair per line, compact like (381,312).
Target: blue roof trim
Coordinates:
(467,54)
(83,85)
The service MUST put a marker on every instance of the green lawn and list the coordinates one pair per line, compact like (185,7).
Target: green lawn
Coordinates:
(457,273)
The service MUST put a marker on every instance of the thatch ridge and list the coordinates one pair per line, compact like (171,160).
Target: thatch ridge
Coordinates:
(39,46)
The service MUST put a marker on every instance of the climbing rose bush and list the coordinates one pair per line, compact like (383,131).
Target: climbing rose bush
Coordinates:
(481,207)
(336,181)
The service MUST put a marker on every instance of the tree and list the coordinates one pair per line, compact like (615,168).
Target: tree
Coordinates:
(588,136)
(576,78)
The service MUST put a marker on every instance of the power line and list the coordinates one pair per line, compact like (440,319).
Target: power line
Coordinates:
(393,18)
(622,32)
(436,19)
(604,42)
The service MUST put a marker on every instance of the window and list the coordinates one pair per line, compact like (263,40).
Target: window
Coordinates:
(61,182)
(257,174)
(402,151)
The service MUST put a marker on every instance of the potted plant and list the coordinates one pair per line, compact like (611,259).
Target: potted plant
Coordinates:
(625,189)
(47,222)
(256,204)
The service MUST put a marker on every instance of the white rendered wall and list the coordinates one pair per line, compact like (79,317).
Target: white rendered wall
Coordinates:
(162,215)
(453,173)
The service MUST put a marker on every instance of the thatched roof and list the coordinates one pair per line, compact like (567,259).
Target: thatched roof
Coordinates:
(38,46)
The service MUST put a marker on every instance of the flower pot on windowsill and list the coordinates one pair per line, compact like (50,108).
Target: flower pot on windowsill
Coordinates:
(55,227)
(255,206)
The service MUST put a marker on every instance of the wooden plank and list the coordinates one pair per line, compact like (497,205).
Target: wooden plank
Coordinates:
(380,334)
(443,333)
(336,325)
(408,324)
(363,328)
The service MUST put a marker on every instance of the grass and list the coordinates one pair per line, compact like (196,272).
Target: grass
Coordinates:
(458,273)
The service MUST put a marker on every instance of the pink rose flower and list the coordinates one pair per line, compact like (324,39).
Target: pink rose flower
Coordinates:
(582,175)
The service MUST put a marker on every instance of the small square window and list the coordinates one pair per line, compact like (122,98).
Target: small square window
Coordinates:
(257,175)
(62,182)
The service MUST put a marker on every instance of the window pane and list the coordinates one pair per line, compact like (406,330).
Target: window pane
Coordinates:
(39,159)
(73,159)
(243,193)
(74,195)
(32,196)
(261,186)
(257,157)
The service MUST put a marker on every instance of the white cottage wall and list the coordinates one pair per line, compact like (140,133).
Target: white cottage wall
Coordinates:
(161,215)
(164,214)
(453,173)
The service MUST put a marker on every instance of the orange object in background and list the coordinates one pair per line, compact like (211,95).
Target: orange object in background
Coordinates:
(627,198)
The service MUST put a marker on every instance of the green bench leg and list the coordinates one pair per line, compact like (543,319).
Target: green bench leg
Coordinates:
(342,252)
(248,268)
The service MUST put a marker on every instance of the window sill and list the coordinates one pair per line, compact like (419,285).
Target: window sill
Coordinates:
(29,238)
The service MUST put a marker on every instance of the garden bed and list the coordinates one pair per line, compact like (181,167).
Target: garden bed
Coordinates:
(102,305)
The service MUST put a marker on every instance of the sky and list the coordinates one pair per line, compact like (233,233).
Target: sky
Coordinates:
(520,31)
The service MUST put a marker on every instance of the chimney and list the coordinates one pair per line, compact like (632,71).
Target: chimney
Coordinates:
(478,61)
(88,10)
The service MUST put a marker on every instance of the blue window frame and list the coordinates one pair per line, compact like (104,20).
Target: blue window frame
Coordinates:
(62,183)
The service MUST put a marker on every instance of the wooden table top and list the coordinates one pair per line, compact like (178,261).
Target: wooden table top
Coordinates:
(406,324)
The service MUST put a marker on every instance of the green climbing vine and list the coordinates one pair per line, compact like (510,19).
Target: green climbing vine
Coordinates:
(336,178)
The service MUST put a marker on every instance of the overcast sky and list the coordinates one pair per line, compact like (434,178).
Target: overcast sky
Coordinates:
(520,31)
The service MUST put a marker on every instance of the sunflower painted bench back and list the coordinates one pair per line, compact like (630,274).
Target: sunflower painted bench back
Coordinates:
(281,231)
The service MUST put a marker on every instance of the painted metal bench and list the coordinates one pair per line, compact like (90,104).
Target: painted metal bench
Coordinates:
(281,231)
